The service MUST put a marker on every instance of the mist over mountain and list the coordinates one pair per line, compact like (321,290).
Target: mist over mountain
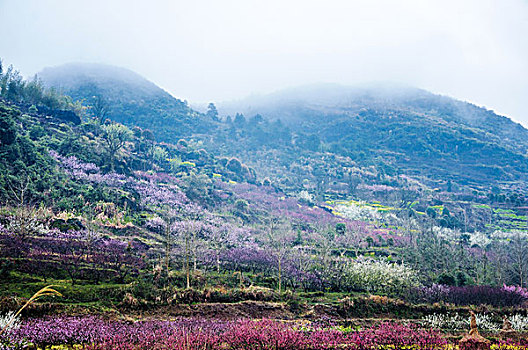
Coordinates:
(385,207)
(294,105)
(395,128)
(358,191)
(403,129)
(130,98)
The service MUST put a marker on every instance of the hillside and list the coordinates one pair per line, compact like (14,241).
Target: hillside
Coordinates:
(139,211)
(131,228)
(288,105)
(400,130)
(129,98)
(394,130)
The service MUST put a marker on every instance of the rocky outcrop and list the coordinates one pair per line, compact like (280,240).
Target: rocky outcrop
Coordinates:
(473,340)
(507,332)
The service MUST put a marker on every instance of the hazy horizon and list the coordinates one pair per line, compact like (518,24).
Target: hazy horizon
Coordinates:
(220,51)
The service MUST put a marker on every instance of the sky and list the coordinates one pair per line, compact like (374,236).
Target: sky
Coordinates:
(217,50)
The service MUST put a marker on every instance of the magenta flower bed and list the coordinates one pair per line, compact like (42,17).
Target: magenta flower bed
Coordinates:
(97,334)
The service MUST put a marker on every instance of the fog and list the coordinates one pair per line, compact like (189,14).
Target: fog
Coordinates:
(474,50)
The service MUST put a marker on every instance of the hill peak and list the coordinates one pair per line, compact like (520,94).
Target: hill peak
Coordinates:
(74,75)
(133,100)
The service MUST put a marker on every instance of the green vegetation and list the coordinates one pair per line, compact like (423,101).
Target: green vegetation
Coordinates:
(133,202)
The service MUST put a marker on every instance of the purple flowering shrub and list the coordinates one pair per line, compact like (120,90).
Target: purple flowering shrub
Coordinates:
(77,254)
(268,334)
(523,292)
(265,334)
(506,296)
(149,188)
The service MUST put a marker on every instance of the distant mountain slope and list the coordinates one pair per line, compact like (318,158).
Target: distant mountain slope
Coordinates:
(294,105)
(392,129)
(132,99)
(407,129)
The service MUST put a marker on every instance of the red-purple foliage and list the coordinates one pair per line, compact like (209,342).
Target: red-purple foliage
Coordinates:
(97,334)
(265,334)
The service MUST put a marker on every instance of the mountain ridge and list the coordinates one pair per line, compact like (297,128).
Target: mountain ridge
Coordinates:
(397,129)
(132,99)
(349,96)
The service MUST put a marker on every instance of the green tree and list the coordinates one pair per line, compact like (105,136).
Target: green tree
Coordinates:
(340,228)
(446,279)
(159,155)
(234,165)
(240,120)
(100,108)
(212,112)
(115,137)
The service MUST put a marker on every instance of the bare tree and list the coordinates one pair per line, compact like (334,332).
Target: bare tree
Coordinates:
(18,190)
(519,257)
(217,236)
(279,239)
(187,232)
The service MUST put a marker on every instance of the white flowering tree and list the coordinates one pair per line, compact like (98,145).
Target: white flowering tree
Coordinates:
(379,276)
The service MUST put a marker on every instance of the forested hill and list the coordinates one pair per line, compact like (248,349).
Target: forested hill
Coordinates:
(312,208)
(383,131)
(293,106)
(124,96)
(400,130)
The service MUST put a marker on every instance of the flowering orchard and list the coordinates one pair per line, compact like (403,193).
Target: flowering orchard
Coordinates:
(95,333)
(76,254)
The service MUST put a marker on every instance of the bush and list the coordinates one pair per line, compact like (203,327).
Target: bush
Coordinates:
(468,295)
(456,322)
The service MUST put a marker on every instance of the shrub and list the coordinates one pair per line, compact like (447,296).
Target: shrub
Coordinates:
(519,322)
(234,165)
(459,323)
(468,295)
